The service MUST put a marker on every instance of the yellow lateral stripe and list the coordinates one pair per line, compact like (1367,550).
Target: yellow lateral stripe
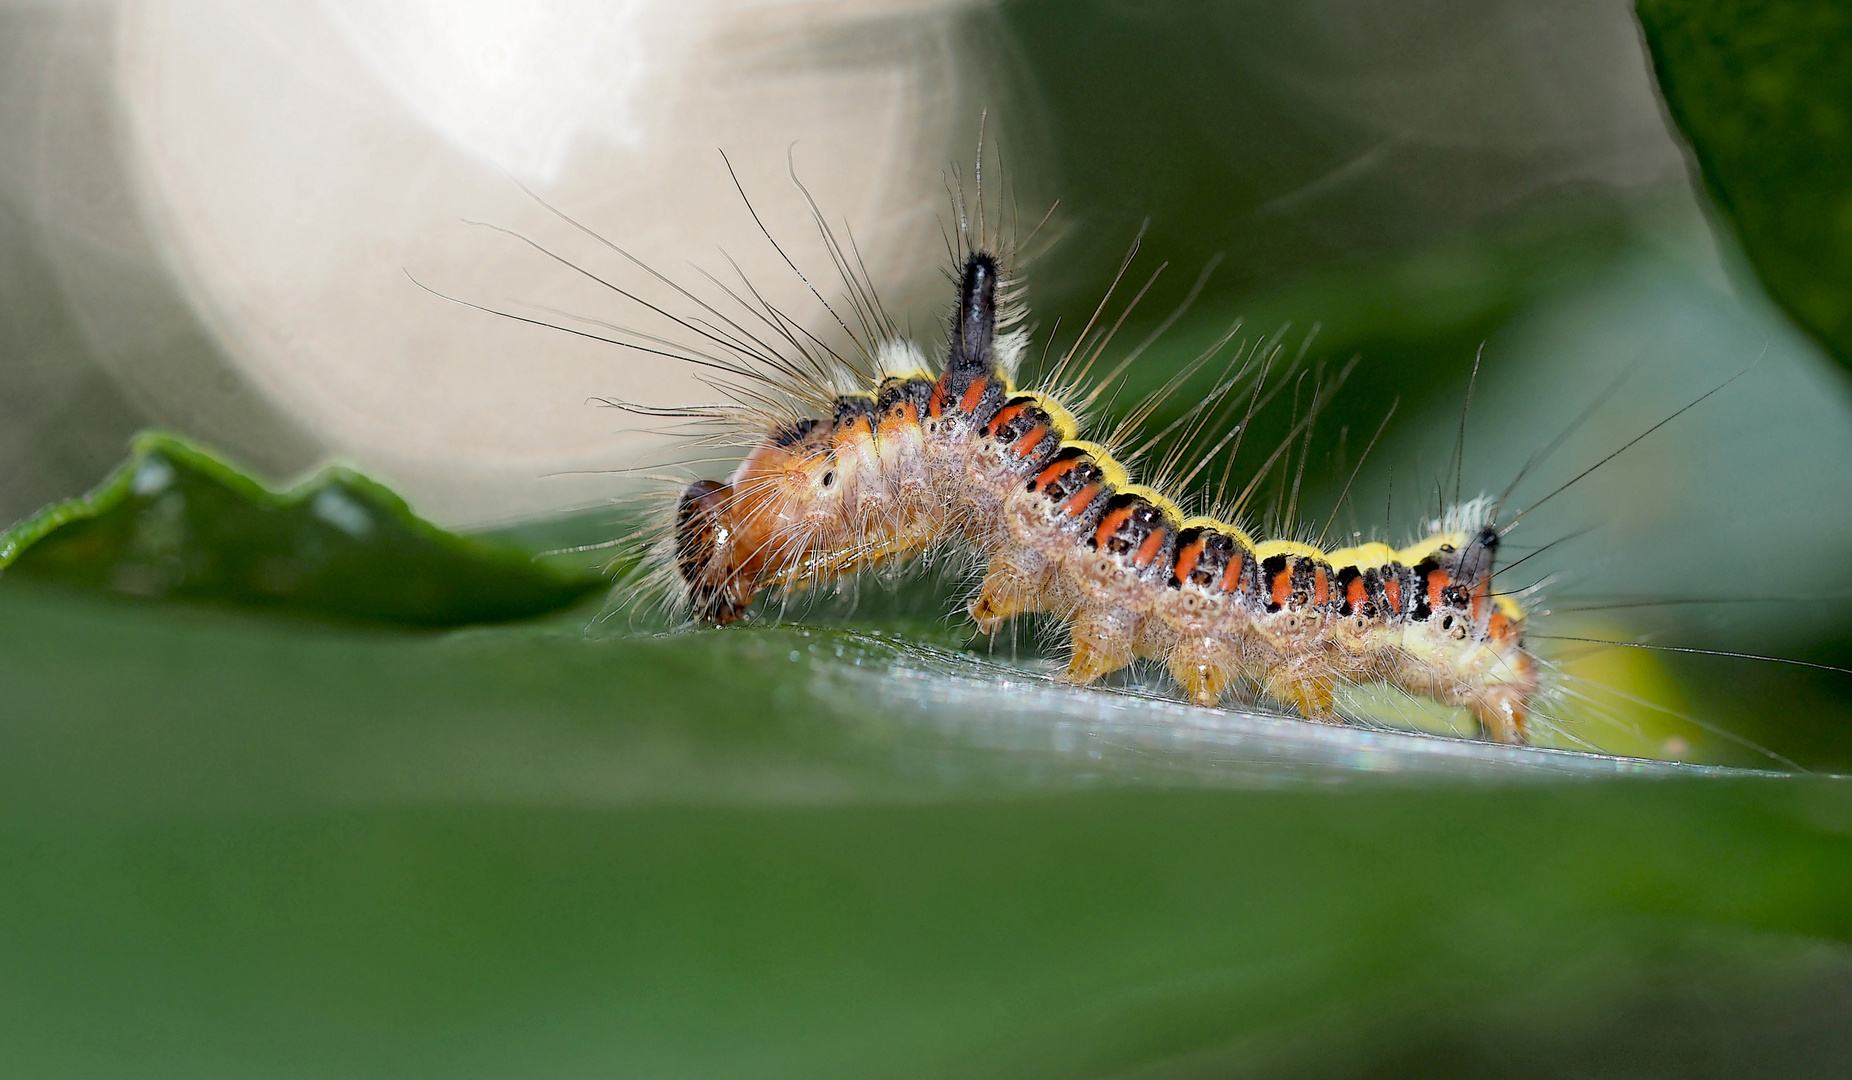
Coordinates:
(1271,548)
(1363,556)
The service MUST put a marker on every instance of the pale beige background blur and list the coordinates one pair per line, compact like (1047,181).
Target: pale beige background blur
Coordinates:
(208,210)
(229,197)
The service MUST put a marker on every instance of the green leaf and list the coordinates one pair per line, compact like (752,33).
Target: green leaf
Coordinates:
(175,522)
(1763,93)
(232,846)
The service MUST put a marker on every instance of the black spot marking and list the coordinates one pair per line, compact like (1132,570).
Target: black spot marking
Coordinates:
(1218,549)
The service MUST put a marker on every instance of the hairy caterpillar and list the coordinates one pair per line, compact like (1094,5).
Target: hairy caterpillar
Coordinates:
(873,456)
(919,459)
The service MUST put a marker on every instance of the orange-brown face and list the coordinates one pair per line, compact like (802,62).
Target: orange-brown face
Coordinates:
(730,537)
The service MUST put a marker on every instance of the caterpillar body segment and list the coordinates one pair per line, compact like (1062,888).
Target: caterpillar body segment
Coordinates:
(964,459)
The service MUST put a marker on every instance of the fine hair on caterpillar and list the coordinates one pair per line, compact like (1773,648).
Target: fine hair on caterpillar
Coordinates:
(883,455)
(956,456)
(962,456)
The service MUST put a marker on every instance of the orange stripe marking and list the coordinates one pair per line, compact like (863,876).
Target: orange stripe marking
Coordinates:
(1010,412)
(1321,585)
(1055,472)
(1081,500)
(973,394)
(1355,594)
(1186,561)
(1027,444)
(1148,551)
(1437,581)
(1392,589)
(1110,524)
(1283,585)
(1233,580)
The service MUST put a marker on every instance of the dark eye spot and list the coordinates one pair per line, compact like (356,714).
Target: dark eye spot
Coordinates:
(1448,548)
(829,478)
(1447,623)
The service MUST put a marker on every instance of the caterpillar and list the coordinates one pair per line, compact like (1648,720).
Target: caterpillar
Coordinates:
(876,457)
(923,458)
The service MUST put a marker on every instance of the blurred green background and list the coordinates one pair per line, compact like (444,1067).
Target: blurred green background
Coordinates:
(299,785)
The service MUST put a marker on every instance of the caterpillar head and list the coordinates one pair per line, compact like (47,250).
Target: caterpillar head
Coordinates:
(764,525)
(703,553)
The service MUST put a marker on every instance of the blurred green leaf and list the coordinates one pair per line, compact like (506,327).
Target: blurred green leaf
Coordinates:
(175,522)
(1763,93)
(238,847)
